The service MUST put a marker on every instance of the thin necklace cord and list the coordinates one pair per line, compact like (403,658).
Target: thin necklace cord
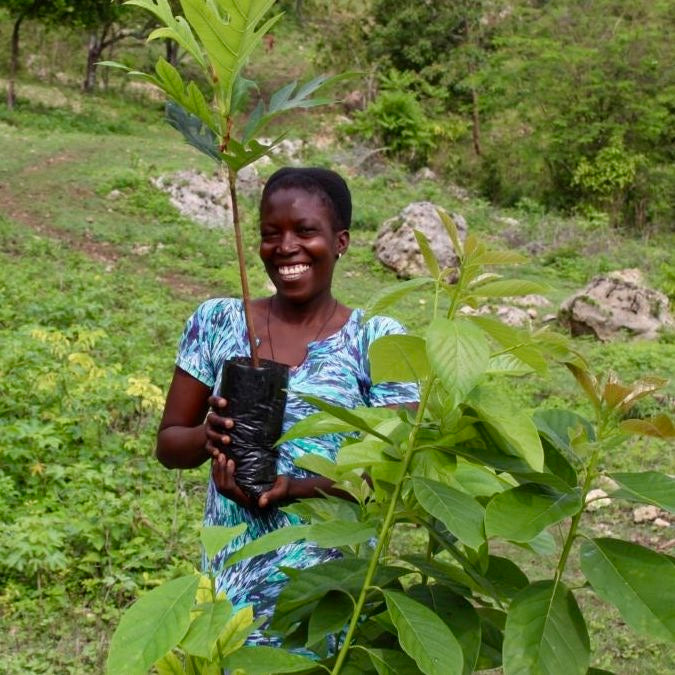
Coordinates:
(314,339)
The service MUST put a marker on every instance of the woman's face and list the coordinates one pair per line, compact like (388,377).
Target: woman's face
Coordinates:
(298,244)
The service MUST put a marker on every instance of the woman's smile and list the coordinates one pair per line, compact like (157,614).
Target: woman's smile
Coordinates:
(292,272)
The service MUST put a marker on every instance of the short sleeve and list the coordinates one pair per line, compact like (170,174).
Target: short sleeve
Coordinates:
(195,351)
(386,393)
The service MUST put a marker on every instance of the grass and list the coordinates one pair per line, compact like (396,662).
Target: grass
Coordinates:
(71,261)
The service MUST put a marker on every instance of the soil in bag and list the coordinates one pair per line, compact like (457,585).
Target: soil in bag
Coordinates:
(256,399)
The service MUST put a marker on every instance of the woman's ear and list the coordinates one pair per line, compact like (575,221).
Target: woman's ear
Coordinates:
(342,243)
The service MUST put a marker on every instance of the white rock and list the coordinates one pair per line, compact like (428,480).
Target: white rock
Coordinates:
(114,194)
(597,499)
(661,522)
(645,514)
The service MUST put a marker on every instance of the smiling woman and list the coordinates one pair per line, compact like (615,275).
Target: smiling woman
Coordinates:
(305,216)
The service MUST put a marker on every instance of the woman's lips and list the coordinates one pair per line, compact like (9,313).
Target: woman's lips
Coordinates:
(291,272)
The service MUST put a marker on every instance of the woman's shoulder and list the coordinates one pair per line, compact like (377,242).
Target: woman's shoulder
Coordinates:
(218,308)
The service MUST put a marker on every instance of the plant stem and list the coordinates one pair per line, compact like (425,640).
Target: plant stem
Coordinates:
(245,293)
(386,526)
(571,534)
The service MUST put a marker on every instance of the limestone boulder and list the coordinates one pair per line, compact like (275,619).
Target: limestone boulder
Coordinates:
(614,303)
(396,246)
(205,198)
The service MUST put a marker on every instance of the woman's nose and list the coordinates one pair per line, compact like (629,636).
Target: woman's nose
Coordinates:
(289,242)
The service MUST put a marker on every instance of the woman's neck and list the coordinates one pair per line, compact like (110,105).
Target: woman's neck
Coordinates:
(303,313)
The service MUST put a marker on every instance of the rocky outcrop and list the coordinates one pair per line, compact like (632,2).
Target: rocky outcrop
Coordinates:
(206,199)
(396,246)
(614,303)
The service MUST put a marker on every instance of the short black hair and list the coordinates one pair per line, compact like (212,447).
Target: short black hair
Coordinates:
(328,185)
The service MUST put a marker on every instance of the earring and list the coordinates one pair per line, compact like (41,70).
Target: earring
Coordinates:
(338,256)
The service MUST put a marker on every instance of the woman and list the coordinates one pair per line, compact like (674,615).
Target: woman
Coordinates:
(305,215)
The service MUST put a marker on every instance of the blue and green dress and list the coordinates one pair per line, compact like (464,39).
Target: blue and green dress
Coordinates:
(335,369)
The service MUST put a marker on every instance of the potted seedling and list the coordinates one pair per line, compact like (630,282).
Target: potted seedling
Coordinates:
(220,37)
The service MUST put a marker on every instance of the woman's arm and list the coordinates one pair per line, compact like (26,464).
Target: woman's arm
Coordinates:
(182,436)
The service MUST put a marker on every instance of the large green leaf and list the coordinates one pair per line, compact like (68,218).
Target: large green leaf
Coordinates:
(507,578)
(356,417)
(384,298)
(265,660)
(269,542)
(502,287)
(521,513)
(236,630)
(514,427)
(228,41)
(459,512)
(194,131)
(200,640)
(424,636)
(321,423)
(330,616)
(428,255)
(458,354)
(557,425)
(345,575)
(336,533)
(398,358)
(152,626)
(216,537)
(650,487)
(457,613)
(391,662)
(638,581)
(545,633)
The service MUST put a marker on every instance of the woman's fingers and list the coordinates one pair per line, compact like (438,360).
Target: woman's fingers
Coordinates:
(223,471)
(279,492)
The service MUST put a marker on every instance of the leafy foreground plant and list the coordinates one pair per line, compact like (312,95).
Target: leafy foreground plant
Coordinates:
(471,468)
(220,36)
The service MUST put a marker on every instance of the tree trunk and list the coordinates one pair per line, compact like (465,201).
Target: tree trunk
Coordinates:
(93,55)
(475,123)
(13,63)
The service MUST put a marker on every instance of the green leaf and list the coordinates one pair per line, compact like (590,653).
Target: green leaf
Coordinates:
(457,613)
(513,425)
(639,582)
(398,358)
(169,664)
(507,578)
(345,575)
(336,533)
(650,487)
(556,426)
(500,258)
(214,538)
(545,632)
(211,619)
(195,132)
(237,629)
(508,287)
(330,616)
(262,660)
(355,417)
(451,229)
(152,626)
(391,662)
(269,542)
(321,423)
(424,636)
(387,297)
(460,513)
(428,255)
(521,513)
(459,355)
(237,155)
(362,454)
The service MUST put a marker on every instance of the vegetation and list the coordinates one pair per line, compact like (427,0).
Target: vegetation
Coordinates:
(96,288)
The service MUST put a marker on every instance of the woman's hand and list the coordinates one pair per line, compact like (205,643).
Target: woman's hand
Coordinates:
(223,469)
(216,426)
(279,492)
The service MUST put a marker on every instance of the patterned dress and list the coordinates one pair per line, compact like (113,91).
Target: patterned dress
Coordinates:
(336,369)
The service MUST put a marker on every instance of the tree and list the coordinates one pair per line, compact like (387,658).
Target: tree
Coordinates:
(568,82)
(20,11)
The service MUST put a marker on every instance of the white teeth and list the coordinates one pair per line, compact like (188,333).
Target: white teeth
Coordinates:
(292,271)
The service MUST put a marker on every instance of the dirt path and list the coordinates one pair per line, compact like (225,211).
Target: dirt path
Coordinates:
(25,209)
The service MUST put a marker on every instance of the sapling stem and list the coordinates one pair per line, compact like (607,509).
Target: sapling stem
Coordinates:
(386,526)
(245,293)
